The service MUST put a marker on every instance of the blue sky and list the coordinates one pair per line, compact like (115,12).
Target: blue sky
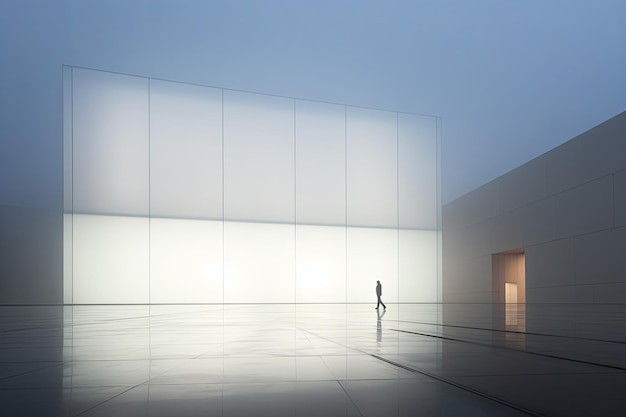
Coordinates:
(510,79)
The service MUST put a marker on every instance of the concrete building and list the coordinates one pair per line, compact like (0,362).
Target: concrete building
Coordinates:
(551,231)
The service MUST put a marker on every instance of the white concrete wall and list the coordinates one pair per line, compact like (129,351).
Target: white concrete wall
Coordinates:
(566,208)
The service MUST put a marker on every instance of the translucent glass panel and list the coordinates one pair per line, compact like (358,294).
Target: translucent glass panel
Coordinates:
(259,172)
(111,259)
(320,200)
(185,151)
(110,143)
(320,264)
(372,186)
(110,176)
(372,255)
(372,189)
(418,266)
(185,183)
(320,163)
(417,208)
(259,262)
(178,193)
(186,261)
(259,166)
(417,172)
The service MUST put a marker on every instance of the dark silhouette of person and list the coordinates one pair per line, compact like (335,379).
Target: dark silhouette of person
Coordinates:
(379,293)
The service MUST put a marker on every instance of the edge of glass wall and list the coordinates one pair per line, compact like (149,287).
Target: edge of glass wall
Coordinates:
(439,214)
(68,209)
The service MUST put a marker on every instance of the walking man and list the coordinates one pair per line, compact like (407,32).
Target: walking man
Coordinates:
(379,293)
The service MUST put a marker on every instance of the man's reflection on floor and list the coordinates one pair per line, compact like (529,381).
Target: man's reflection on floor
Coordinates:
(379,326)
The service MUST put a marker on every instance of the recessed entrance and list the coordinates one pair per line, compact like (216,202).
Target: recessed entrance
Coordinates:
(509,277)
(509,295)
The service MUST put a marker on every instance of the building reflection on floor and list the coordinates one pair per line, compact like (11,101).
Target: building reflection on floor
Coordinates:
(301,360)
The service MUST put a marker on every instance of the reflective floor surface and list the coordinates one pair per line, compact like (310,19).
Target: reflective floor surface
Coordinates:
(313,360)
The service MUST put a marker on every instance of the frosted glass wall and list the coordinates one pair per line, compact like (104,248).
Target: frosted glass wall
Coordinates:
(179,193)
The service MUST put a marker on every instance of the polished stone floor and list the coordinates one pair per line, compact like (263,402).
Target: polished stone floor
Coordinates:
(313,360)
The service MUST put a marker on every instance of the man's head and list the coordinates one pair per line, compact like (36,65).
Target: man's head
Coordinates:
(378,282)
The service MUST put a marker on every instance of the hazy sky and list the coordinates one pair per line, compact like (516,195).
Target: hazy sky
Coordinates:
(510,79)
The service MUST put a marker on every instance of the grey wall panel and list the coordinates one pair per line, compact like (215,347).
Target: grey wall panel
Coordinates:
(619,195)
(497,234)
(538,222)
(453,245)
(563,167)
(560,294)
(506,232)
(599,256)
(586,208)
(550,264)
(584,294)
(618,250)
(476,238)
(524,185)
(471,278)
(603,149)
(610,293)
(474,207)
(454,214)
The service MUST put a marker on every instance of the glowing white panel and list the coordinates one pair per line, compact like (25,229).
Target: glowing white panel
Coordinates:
(372,254)
(372,168)
(417,263)
(110,259)
(320,200)
(185,151)
(259,263)
(320,264)
(111,149)
(258,157)
(68,258)
(417,172)
(320,163)
(185,261)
